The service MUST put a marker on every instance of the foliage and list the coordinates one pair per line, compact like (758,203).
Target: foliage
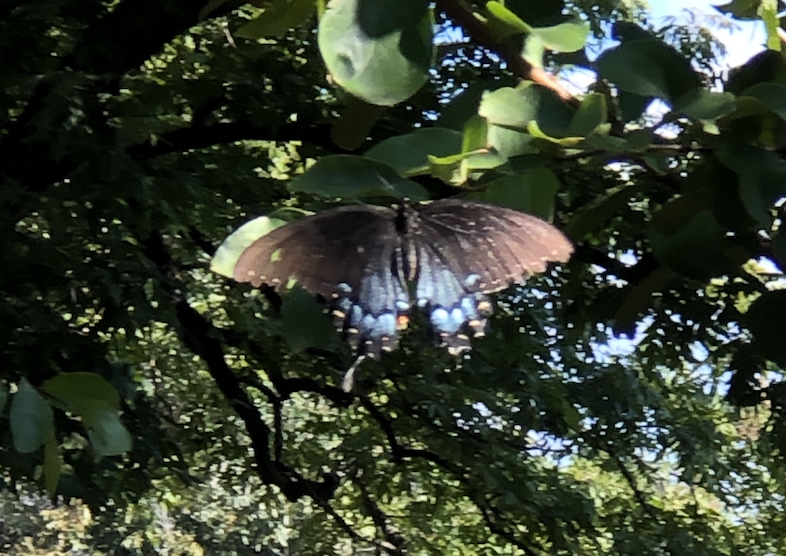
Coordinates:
(166,409)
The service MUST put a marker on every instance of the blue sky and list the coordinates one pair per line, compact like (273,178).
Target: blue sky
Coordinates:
(741,44)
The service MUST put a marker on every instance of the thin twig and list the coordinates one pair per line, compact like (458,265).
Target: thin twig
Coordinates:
(462,15)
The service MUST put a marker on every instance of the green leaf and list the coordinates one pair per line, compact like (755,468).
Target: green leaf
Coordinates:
(347,176)
(686,236)
(632,106)
(516,108)
(762,177)
(31,418)
(53,466)
(772,95)
(509,143)
(592,112)
(474,136)
(209,8)
(767,66)
(638,140)
(768,11)
(502,22)
(354,123)
(229,251)
(649,68)
(96,401)
(565,37)
(304,322)
(3,395)
(639,299)
(741,9)
(593,217)
(108,436)
(707,105)
(765,321)
(277,18)
(408,154)
(454,169)
(378,50)
(74,390)
(532,191)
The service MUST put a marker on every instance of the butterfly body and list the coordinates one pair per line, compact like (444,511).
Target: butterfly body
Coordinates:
(363,258)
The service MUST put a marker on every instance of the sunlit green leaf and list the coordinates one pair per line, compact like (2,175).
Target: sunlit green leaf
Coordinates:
(381,59)
(355,177)
(277,18)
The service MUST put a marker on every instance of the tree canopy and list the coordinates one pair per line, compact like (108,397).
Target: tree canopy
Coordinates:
(629,401)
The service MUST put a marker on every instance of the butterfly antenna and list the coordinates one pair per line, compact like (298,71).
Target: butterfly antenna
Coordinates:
(349,378)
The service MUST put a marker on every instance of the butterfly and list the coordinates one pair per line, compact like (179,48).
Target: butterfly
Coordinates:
(363,259)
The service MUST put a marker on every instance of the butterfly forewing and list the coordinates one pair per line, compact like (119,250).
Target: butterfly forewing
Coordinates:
(501,245)
(466,250)
(348,256)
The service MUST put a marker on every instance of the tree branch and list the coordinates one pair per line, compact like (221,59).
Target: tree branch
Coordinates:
(198,334)
(381,519)
(200,137)
(354,535)
(462,15)
(461,474)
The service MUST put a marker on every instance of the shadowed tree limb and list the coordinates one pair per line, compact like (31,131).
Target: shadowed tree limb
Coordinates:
(198,334)
(398,451)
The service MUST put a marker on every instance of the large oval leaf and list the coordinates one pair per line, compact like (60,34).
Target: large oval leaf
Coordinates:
(31,418)
(378,50)
(355,177)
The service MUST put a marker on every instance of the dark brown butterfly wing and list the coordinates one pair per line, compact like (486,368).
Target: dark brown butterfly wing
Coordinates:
(350,256)
(465,250)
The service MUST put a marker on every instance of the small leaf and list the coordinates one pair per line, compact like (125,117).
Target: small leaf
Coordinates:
(305,324)
(686,236)
(649,68)
(408,154)
(502,22)
(355,177)
(53,466)
(516,107)
(741,9)
(454,169)
(765,321)
(108,436)
(592,112)
(229,251)
(565,37)
(31,418)
(638,140)
(773,95)
(639,300)
(3,395)
(532,191)
(762,177)
(707,105)
(73,390)
(354,123)
(96,401)
(594,216)
(509,143)
(278,17)
(768,11)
